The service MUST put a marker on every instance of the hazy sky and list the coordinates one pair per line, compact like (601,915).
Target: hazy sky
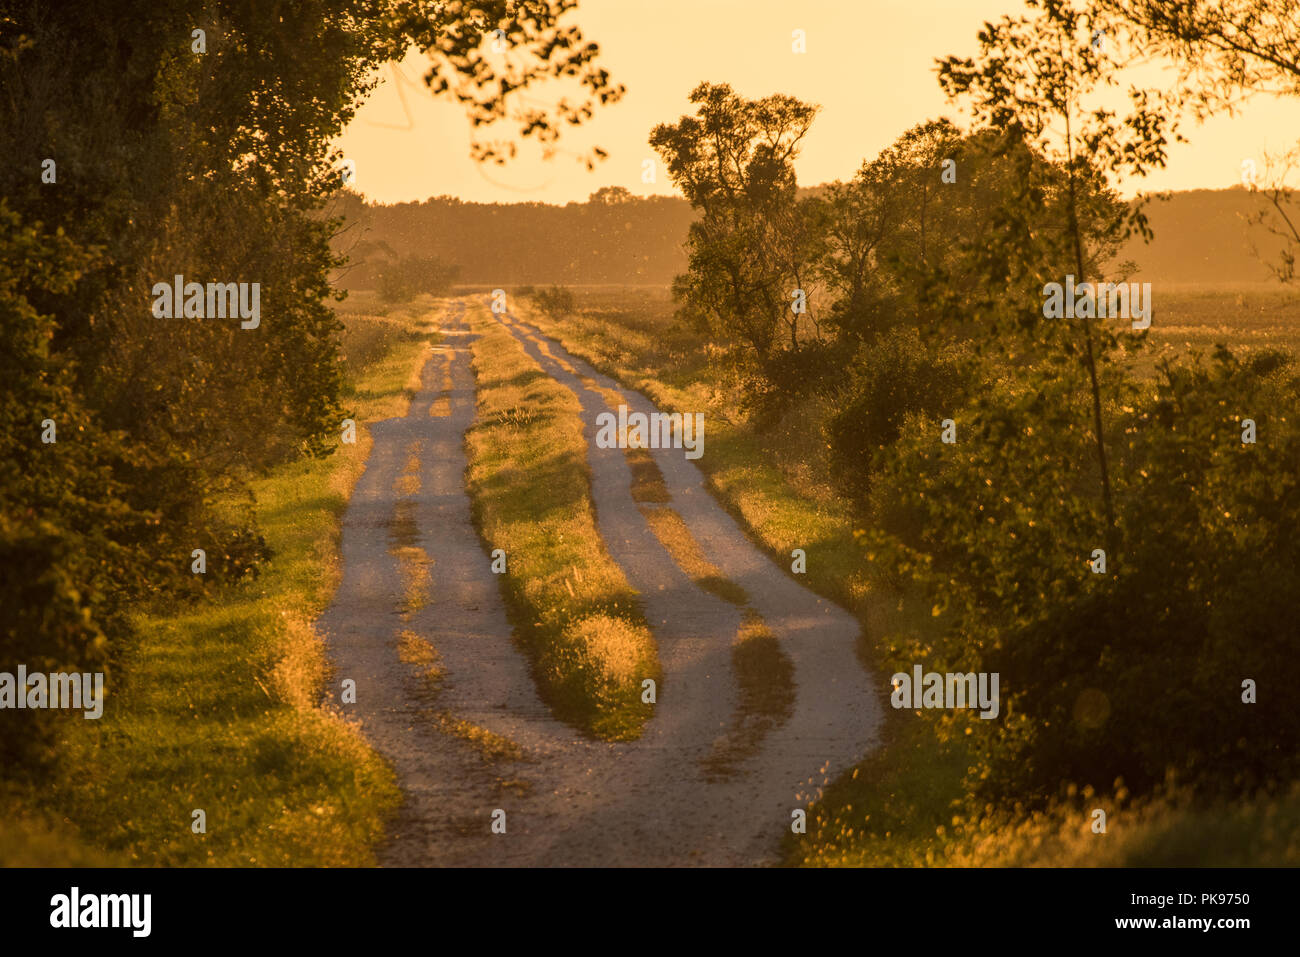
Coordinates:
(869,64)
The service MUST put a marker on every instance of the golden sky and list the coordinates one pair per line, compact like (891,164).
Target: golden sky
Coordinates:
(869,64)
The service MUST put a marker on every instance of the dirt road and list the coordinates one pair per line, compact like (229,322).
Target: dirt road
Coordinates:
(566,799)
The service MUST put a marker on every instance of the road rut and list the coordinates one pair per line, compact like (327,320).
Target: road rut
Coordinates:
(569,800)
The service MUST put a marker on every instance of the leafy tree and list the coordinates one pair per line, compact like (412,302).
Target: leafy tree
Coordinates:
(538,47)
(1226,50)
(914,287)
(214,163)
(1223,47)
(1133,669)
(1033,78)
(1136,672)
(71,551)
(752,245)
(883,222)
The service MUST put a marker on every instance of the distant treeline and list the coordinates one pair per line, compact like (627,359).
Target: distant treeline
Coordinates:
(614,237)
(1206,234)
(618,238)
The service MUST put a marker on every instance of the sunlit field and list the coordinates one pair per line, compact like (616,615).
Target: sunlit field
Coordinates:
(1246,316)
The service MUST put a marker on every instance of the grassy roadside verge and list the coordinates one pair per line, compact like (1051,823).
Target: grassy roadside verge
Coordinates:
(216,705)
(574,612)
(900,805)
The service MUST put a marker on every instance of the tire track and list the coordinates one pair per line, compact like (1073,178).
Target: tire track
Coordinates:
(570,800)
(836,712)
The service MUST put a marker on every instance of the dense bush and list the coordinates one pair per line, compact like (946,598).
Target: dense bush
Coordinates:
(1137,672)
(410,276)
(774,386)
(896,376)
(70,553)
(555,302)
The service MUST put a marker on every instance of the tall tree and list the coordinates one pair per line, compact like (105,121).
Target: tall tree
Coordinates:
(1034,77)
(1224,48)
(750,249)
(149,140)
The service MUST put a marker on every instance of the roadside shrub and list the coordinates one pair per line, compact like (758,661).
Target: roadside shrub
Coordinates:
(407,277)
(555,302)
(893,377)
(69,549)
(772,387)
(1136,673)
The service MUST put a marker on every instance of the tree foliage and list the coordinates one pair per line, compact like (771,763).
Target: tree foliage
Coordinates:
(1133,669)
(409,276)
(751,247)
(195,141)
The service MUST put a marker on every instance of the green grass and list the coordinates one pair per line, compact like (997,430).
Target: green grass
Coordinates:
(895,811)
(903,804)
(216,705)
(573,611)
